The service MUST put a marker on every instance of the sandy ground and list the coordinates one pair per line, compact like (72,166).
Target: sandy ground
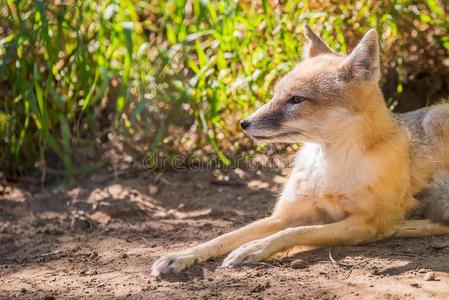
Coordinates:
(98,238)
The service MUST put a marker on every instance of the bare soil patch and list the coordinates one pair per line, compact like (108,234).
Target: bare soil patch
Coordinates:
(98,238)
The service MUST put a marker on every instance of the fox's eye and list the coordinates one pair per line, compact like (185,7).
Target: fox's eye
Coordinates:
(297,99)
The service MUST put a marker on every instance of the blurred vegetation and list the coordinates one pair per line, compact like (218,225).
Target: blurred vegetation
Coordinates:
(80,79)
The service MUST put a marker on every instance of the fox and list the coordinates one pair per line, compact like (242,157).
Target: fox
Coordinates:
(362,173)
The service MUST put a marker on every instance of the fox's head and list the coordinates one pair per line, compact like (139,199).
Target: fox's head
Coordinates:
(323,96)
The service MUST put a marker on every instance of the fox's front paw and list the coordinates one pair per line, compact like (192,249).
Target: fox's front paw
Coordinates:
(248,253)
(172,263)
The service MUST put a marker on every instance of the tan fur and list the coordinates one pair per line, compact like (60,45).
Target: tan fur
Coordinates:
(357,172)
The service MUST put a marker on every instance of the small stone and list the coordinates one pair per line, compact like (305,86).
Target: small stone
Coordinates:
(124,255)
(298,264)
(430,276)
(89,272)
(415,285)
(439,244)
(23,290)
(153,189)
(258,288)
(422,271)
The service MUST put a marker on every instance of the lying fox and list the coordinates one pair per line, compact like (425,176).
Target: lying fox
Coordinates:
(360,173)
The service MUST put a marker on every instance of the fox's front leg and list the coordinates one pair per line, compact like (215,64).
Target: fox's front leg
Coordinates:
(221,245)
(282,217)
(348,231)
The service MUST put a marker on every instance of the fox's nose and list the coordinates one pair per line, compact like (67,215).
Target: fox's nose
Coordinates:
(244,124)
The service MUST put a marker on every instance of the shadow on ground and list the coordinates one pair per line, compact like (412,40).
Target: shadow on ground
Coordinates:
(98,238)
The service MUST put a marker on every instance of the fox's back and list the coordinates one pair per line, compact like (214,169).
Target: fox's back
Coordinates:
(428,131)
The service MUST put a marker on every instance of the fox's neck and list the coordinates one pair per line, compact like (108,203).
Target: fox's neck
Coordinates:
(351,158)
(375,123)
(366,132)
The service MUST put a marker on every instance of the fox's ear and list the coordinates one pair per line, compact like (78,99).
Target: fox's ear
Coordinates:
(315,45)
(363,62)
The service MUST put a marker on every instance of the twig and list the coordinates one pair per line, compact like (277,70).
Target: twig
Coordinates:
(262,263)
(337,262)
(353,266)
(47,254)
(43,255)
(350,266)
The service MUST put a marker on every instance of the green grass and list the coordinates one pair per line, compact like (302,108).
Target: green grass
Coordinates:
(170,75)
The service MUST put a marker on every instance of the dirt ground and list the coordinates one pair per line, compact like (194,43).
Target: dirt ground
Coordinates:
(97,239)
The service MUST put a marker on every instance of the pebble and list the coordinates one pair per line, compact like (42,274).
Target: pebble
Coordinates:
(93,254)
(153,189)
(439,244)
(298,264)
(430,276)
(89,272)
(422,271)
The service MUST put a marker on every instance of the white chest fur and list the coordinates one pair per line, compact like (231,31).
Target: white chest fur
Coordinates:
(339,171)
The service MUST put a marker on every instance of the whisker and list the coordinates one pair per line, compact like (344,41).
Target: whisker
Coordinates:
(294,141)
